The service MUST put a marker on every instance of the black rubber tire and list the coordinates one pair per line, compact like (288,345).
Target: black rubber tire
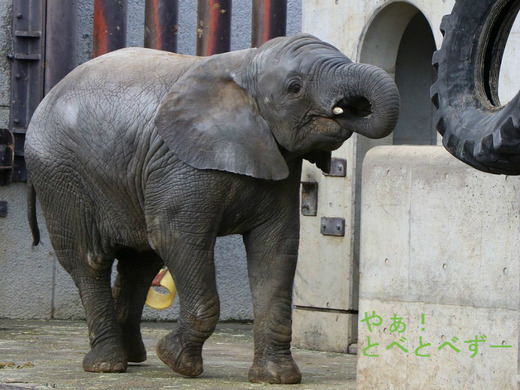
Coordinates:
(475,128)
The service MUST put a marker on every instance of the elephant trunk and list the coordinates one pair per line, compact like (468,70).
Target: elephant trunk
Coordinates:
(371,102)
(475,127)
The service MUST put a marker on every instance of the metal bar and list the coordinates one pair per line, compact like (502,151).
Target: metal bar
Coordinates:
(160,29)
(269,20)
(213,27)
(27,57)
(27,73)
(28,34)
(60,38)
(109,26)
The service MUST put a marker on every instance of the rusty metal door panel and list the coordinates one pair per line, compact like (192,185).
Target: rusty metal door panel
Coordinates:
(213,27)
(27,73)
(269,20)
(109,25)
(60,40)
(160,26)
(40,25)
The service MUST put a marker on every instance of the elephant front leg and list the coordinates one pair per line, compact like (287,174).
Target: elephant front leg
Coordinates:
(272,257)
(190,260)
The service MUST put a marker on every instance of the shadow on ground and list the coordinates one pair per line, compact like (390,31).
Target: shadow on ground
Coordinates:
(48,355)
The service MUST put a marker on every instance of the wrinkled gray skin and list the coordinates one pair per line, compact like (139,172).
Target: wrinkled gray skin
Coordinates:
(146,157)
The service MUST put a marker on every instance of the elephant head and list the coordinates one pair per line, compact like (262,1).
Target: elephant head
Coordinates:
(475,127)
(250,111)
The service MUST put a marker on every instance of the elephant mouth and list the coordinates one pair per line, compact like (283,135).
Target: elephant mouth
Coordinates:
(353,113)
(353,107)
(325,134)
(333,139)
(335,145)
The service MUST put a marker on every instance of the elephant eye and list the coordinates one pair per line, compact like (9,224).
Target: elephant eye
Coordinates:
(295,87)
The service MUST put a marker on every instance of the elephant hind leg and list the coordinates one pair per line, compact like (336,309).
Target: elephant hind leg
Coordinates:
(107,353)
(135,275)
(77,241)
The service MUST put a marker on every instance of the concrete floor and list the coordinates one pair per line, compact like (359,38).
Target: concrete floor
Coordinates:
(48,355)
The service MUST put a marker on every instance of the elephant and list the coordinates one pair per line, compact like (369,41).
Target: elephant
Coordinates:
(147,157)
(475,127)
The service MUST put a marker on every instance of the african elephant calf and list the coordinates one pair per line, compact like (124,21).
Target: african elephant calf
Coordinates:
(146,157)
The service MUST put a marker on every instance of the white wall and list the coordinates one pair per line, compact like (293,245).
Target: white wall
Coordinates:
(370,31)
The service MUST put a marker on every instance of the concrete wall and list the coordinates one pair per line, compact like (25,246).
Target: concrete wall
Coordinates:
(437,238)
(383,33)
(5,48)
(371,32)
(440,250)
(32,285)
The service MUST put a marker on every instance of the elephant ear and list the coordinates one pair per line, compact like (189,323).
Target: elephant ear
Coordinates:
(211,122)
(321,159)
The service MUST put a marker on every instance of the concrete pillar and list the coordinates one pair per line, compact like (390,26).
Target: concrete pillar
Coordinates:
(439,264)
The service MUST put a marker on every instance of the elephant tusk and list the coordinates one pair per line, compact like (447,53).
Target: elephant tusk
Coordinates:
(337,110)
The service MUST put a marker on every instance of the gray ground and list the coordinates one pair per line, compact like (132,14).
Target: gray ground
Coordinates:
(48,355)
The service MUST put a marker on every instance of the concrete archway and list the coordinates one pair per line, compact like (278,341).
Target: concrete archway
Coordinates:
(399,39)
(414,75)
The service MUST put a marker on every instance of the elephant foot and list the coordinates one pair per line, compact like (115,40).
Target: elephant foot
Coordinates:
(135,350)
(134,346)
(281,372)
(183,360)
(105,358)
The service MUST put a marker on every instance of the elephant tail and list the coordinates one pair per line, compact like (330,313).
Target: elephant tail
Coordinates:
(31,213)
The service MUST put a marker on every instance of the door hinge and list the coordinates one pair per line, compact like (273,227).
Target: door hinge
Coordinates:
(331,226)
(338,167)
(309,206)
